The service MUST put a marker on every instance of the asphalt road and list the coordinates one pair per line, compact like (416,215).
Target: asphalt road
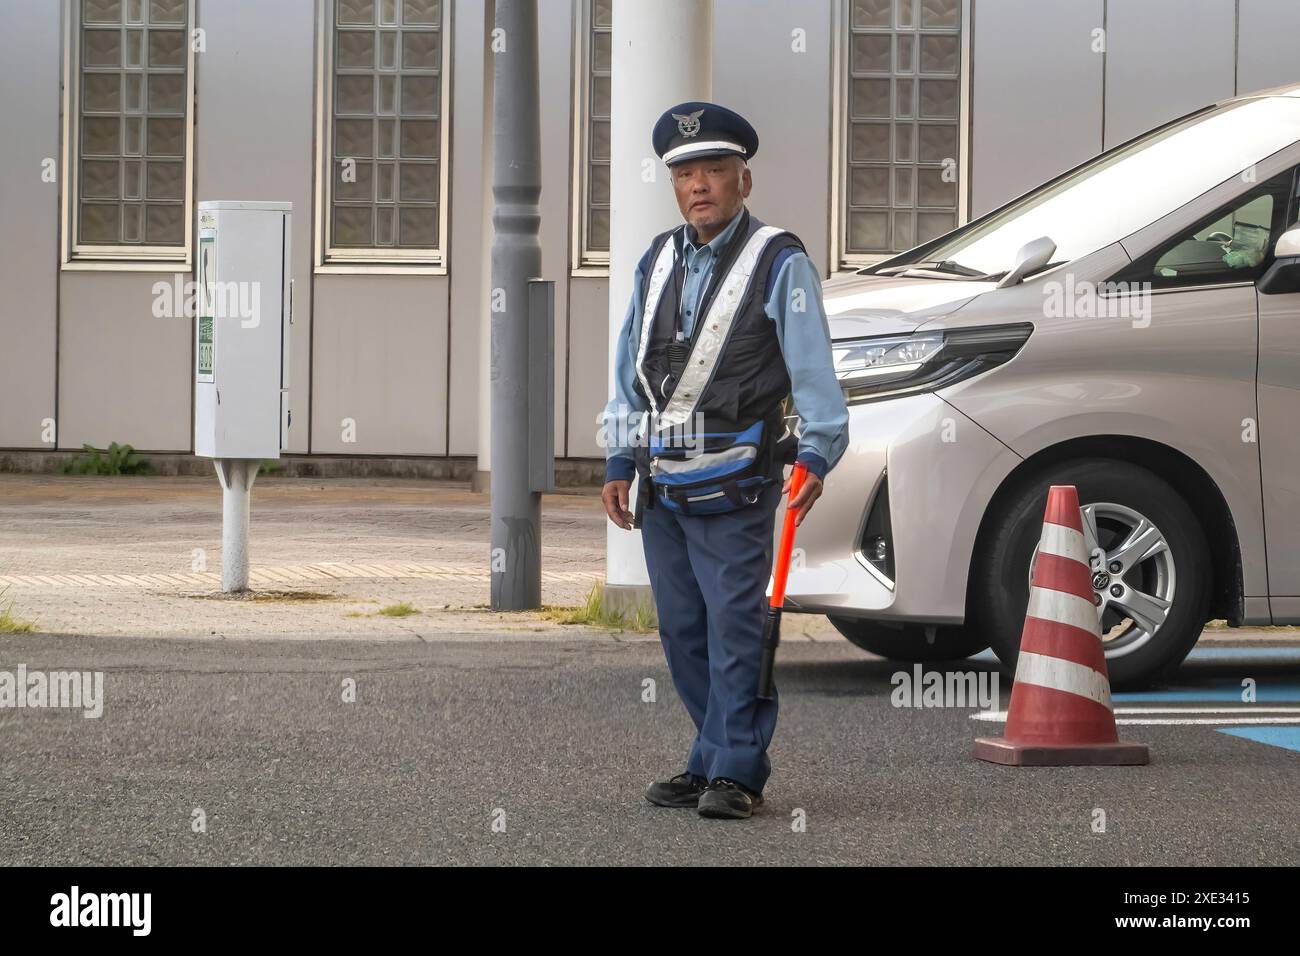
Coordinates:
(552,742)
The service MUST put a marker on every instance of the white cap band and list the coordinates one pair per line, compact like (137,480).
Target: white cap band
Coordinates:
(688,149)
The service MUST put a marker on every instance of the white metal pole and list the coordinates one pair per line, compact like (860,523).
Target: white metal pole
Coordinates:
(662,55)
(483,468)
(236,476)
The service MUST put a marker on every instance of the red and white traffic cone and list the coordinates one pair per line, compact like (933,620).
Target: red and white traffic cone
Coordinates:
(1060,712)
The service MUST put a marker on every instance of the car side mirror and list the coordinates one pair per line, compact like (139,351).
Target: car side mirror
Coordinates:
(1031,257)
(1283,276)
(1288,246)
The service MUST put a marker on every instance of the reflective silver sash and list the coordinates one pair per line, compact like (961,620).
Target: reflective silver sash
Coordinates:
(659,276)
(712,336)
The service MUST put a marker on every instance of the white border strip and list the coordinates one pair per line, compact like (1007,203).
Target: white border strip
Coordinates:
(1063,542)
(713,334)
(663,267)
(1057,674)
(1062,607)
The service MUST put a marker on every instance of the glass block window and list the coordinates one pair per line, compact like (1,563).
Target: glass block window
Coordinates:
(596,79)
(902,132)
(386,129)
(132,112)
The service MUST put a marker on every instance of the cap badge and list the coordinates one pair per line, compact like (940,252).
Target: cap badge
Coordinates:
(689,124)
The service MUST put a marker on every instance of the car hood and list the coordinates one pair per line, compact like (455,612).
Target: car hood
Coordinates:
(859,306)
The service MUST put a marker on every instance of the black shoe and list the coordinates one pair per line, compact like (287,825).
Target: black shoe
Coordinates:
(725,799)
(682,790)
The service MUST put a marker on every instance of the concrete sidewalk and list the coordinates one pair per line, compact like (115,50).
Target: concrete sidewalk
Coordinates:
(136,556)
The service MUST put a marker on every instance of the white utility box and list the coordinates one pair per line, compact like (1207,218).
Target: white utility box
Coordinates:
(243,314)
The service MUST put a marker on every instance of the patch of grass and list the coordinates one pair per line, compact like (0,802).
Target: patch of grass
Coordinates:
(13,625)
(404,609)
(595,613)
(114,460)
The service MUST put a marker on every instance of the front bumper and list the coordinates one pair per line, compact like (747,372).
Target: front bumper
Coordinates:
(942,470)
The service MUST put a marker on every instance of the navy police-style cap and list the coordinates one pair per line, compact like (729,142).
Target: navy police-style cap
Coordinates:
(695,130)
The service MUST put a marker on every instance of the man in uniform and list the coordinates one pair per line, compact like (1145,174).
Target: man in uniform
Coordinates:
(725,322)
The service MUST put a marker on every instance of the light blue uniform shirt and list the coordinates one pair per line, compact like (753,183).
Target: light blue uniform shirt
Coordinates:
(794,305)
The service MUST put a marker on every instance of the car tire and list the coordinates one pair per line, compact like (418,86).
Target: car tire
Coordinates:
(910,642)
(999,583)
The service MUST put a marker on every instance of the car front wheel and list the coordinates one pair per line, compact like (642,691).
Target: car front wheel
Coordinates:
(1151,574)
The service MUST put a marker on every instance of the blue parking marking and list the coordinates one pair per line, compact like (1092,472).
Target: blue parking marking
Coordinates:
(1285,737)
(1261,654)
(1219,689)
(1272,666)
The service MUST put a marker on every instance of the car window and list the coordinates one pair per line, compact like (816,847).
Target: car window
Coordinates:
(1233,244)
(1125,189)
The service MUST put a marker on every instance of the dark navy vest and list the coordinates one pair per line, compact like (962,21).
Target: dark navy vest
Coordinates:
(735,374)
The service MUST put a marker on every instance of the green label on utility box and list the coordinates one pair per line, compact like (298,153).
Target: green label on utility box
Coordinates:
(206,325)
(205,348)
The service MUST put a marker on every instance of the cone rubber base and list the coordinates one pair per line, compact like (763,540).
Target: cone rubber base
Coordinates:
(1011,754)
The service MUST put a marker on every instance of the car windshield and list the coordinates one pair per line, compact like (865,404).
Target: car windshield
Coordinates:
(1122,191)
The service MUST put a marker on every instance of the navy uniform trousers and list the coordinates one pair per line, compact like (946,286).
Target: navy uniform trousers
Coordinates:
(709,574)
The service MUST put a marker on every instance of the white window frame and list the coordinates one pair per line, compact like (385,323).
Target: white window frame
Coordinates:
(351,261)
(584,261)
(850,262)
(76,255)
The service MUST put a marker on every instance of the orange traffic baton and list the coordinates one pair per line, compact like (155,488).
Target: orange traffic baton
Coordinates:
(780,570)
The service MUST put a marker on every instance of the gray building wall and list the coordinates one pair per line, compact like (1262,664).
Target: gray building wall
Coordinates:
(29,218)
(402,356)
(555,30)
(1266,49)
(787,101)
(1045,99)
(1037,94)
(380,365)
(124,375)
(470,233)
(254,139)
(1165,58)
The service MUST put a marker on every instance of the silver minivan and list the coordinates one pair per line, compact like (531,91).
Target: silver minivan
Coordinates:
(1132,328)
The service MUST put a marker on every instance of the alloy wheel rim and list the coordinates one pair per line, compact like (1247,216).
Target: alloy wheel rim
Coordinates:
(1134,576)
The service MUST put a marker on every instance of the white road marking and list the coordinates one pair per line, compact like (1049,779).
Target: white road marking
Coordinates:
(1207,710)
(1157,721)
(1228,715)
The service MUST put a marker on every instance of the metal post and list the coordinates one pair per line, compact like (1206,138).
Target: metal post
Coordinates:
(236,476)
(515,558)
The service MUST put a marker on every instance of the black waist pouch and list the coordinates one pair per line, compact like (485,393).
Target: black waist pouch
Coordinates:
(715,473)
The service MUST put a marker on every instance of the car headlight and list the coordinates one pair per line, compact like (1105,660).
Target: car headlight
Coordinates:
(888,366)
